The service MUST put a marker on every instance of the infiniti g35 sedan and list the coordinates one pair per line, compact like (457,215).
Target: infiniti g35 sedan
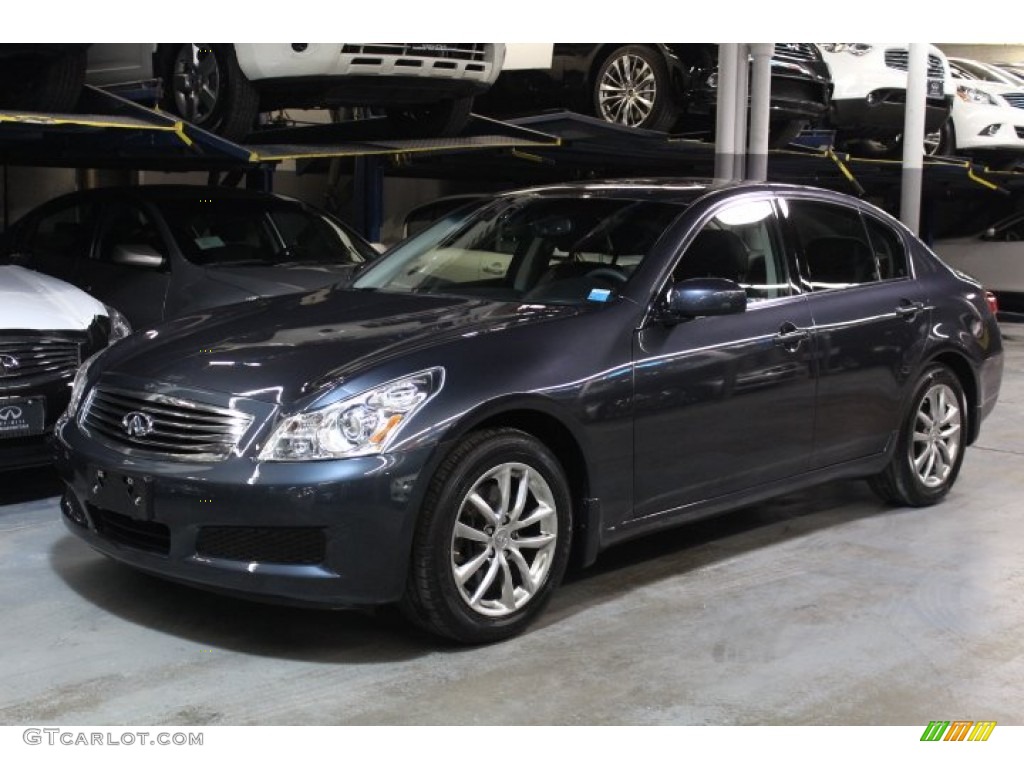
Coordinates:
(552,373)
(160,250)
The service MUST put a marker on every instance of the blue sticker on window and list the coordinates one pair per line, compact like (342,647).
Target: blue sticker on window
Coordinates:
(599,294)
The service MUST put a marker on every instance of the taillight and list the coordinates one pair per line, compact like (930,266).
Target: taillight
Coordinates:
(993,303)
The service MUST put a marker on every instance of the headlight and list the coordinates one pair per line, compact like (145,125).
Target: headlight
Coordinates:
(78,386)
(359,426)
(854,49)
(119,325)
(975,96)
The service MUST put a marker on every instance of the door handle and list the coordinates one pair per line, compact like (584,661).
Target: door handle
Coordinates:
(790,336)
(909,309)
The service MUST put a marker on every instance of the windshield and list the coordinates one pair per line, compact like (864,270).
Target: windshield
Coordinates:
(539,250)
(225,232)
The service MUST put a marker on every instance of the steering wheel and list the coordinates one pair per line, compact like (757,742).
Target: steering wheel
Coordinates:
(607,272)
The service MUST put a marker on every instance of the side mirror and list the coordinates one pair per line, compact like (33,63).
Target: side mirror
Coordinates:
(704,296)
(138,255)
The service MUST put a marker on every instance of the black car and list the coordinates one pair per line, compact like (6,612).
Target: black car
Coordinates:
(558,371)
(659,86)
(157,251)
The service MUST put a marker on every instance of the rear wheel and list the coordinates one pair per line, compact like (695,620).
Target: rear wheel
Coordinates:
(51,84)
(493,538)
(931,442)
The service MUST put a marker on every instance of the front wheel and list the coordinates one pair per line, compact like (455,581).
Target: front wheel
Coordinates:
(493,538)
(930,446)
(204,85)
(632,87)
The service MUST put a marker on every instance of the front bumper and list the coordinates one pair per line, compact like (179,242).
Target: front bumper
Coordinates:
(975,127)
(881,113)
(331,533)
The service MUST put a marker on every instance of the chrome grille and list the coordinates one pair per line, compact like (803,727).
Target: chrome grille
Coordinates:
(797,51)
(1015,99)
(898,58)
(457,51)
(27,360)
(181,429)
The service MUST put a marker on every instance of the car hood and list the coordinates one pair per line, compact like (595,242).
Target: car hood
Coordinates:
(34,301)
(278,279)
(291,347)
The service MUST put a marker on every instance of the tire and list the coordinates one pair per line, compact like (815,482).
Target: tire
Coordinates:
(781,133)
(51,84)
(929,451)
(442,119)
(457,536)
(203,85)
(633,87)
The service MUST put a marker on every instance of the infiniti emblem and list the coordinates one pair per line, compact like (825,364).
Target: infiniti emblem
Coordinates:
(137,424)
(8,364)
(10,412)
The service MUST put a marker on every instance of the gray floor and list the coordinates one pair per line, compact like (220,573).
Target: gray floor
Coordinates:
(819,608)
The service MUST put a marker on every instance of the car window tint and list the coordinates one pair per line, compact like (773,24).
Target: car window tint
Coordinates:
(740,243)
(834,245)
(888,248)
(128,227)
(58,238)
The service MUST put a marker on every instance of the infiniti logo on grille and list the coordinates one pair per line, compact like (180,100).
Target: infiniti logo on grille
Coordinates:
(10,412)
(137,424)
(8,364)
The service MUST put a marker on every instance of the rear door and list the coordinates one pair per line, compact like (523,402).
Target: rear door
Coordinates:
(870,322)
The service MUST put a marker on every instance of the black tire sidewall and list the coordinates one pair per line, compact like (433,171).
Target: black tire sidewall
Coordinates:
(663,115)
(234,114)
(505,446)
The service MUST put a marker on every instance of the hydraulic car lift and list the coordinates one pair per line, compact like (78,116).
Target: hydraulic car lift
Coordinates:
(108,131)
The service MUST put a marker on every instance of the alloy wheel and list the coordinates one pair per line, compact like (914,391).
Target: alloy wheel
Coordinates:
(504,539)
(936,439)
(197,82)
(627,91)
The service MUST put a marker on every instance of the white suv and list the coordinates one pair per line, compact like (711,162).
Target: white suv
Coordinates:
(870,92)
(425,88)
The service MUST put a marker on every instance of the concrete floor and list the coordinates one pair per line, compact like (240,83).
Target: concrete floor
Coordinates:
(818,608)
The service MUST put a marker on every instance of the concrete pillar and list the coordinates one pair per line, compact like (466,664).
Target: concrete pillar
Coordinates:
(760,109)
(725,118)
(913,136)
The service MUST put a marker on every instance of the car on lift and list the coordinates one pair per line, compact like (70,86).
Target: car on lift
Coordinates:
(988,113)
(870,93)
(425,89)
(445,438)
(47,329)
(658,86)
(157,251)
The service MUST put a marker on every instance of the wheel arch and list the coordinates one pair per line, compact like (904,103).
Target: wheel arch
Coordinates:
(554,430)
(964,372)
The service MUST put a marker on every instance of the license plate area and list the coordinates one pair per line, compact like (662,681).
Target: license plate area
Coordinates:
(125,494)
(935,89)
(22,416)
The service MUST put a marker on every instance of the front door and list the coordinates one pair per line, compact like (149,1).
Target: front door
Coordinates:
(726,403)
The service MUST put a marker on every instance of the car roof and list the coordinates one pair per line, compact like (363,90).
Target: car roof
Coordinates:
(181,192)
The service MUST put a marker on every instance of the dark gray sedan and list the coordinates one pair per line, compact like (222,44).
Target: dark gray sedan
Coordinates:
(157,251)
(554,372)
